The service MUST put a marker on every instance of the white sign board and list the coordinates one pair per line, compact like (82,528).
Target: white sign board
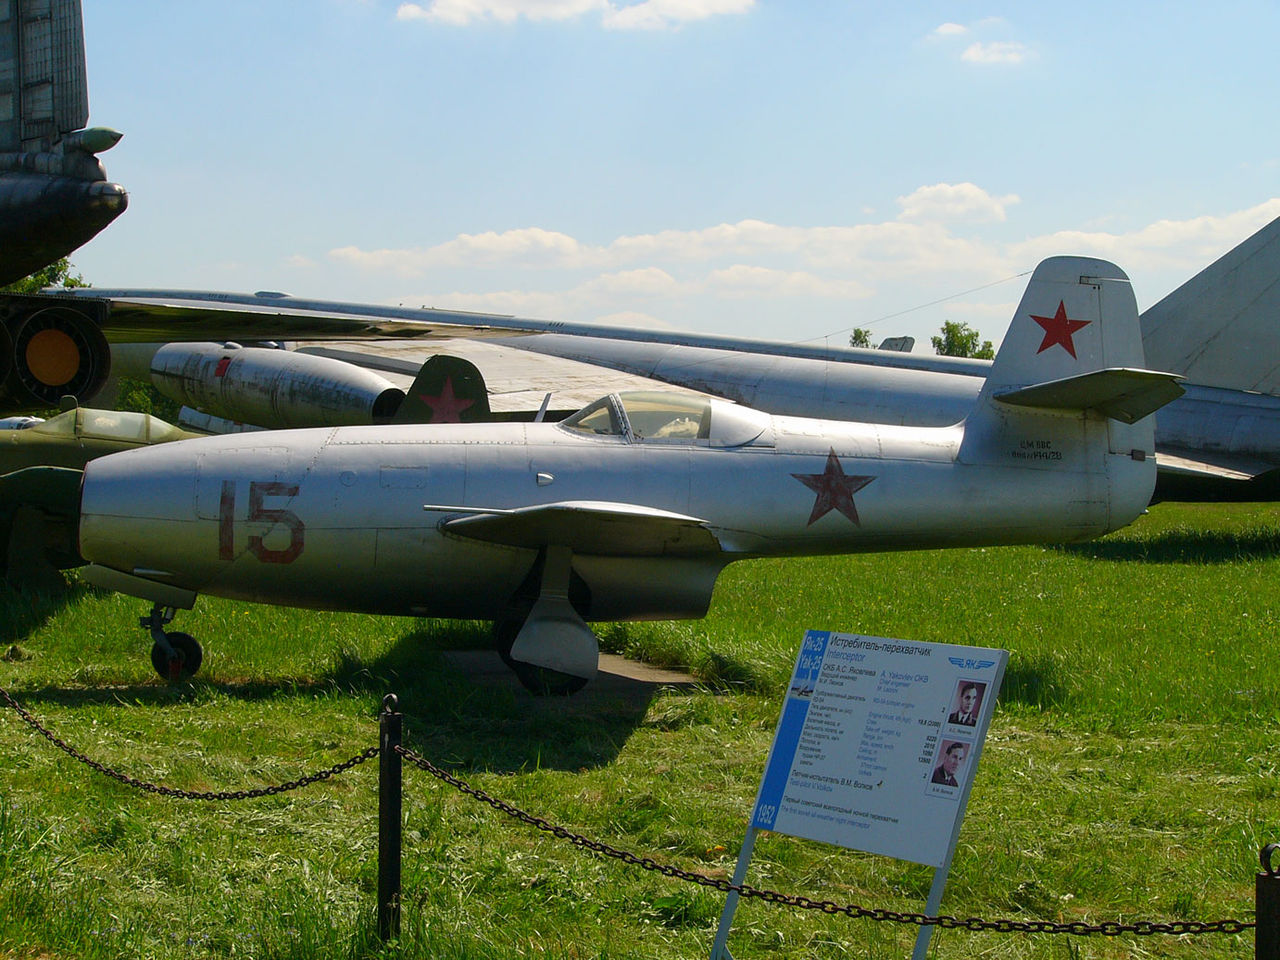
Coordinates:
(878,743)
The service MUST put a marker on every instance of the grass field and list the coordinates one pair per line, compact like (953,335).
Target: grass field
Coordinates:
(1131,772)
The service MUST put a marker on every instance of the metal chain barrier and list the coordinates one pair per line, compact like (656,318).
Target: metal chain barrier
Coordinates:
(1079,928)
(184,794)
(945,921)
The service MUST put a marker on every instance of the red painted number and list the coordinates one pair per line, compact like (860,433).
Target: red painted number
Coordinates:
(258,491)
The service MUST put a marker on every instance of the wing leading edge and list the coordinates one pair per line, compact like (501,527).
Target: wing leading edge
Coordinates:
(586,526)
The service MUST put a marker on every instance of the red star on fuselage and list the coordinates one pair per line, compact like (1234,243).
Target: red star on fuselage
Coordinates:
(1058,329)
(835,490)
(445,407)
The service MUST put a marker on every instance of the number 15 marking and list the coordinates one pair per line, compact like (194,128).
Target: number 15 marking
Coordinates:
(258,491)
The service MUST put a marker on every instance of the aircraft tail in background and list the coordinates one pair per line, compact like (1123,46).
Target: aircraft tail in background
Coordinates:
(54,193)
(44,94)
(1221,327)
(448,389)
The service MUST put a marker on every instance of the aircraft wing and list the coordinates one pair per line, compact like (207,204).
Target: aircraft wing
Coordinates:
(141,316)
(586,526)
(58,343)
(196,316)
(1208,465)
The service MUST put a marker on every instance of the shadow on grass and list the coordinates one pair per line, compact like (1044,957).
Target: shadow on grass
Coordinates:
(24,610)
(1184,546)
(463,709)
(1033,683)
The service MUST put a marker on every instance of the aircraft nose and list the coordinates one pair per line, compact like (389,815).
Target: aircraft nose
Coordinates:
(107,199)
(132,504)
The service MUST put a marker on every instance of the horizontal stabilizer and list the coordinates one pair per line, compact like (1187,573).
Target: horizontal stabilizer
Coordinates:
(586,526)
(1120,393)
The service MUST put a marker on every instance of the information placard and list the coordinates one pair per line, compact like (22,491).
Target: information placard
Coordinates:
(878,742)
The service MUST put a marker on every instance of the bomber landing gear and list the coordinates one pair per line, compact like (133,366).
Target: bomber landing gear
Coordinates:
(175,655)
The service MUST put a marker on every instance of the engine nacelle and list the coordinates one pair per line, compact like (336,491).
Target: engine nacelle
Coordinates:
(49,348)
(272,388)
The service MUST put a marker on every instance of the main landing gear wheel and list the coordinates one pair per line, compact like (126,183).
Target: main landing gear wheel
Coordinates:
(540,681)
(181,660)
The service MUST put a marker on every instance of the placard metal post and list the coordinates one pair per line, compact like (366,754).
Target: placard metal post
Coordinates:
(720,949)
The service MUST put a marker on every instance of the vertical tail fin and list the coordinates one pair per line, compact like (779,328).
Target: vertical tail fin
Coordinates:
(1067,391)
(447,390)
(42,53)
(1077,315)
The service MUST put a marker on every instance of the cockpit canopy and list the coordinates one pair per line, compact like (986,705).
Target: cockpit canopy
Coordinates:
(656,416)
(90,424)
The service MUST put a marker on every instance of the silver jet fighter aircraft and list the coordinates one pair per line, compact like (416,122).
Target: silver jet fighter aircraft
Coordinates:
(630,508)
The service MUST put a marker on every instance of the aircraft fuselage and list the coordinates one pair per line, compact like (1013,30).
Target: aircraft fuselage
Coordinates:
(334,518)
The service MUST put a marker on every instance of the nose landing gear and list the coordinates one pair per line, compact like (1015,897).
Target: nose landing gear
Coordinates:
(174,655)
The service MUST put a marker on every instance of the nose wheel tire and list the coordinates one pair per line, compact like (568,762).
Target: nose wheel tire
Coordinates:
(181,661)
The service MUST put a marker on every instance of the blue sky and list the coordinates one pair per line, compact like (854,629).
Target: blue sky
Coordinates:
(753,167)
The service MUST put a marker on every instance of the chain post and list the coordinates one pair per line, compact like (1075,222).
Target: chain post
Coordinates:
(390,734)
(1266,942)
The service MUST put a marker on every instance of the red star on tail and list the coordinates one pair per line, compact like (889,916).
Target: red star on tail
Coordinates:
(445,407)
(1058,329)
(835,490)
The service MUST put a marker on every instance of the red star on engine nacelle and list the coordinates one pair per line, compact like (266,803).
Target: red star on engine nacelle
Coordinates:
(1058,329)
(835,490)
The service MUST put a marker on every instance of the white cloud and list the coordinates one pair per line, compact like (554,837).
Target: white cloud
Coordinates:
(645,282)
(990,43)
(916,241)
(662,14)
(645,15)
(742,280)
(744,272)
(1184,245)
(459,13)
(529,246)
(743,238)
(1000,51)
(954,201)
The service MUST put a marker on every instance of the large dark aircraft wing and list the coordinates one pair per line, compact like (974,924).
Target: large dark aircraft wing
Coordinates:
(264,317)
(57,344)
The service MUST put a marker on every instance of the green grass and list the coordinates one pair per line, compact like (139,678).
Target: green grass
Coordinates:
(1131,771)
